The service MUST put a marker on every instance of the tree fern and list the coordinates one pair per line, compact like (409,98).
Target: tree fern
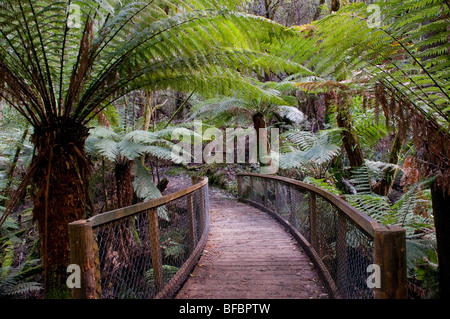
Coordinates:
(362,177)
(394,53)
(274,97)
(322,183)
(134,144)
(366,175)
(11,286)
(63,62)
(412,211)
(310,148)
(13,280)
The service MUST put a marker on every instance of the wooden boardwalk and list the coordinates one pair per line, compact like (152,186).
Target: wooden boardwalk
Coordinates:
(250,256)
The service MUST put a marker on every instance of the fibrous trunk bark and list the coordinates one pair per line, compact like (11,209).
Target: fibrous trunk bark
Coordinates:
(335,5)
(60,196)
(124,183)
(384,185)
(349,138)
(441,203)
(261,135)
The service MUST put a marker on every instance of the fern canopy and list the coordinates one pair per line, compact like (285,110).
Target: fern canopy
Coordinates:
(405,48)
(70,59)
(117,146)
(310,149)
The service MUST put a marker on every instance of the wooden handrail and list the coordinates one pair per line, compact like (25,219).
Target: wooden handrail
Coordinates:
(153,203)
(389,245)
(367,223)
(84,246)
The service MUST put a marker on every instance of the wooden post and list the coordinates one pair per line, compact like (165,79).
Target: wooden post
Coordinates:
(341,250)
(191,220)
(277,197)
(155,250)
(83,249)
(239,186)
(266,193)
(390,256)
(313,221)
(292,218)
(196,179)
(202,206)
(252,198)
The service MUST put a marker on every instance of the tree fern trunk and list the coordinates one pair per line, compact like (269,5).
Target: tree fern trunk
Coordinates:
(349,138)
(441,203)
(335,5)
(124,183)
(60,196)
(260,123)
(383,186)
(148,99)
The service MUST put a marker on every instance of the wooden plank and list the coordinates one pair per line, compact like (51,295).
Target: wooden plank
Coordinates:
(249,255)
(155,250)
(311,251)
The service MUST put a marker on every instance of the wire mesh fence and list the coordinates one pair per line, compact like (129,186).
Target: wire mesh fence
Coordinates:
(144,251)
(343,246)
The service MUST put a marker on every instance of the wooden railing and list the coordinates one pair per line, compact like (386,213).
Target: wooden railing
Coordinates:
(356,256)
(142,251)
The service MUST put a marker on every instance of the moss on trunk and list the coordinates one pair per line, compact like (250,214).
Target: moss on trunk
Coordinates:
(60,196)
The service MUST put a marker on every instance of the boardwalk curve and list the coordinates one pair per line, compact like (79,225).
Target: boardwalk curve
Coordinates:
(249,255)
(237,251)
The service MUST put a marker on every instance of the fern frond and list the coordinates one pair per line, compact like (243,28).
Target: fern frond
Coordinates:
(412,211)
(103,141)
(291,113)
(366,174)
(146,190)
(13,288)
(322,183)
(71,59)
(403,53)
(376,206)
(310,148)
(12,281)
(321,86)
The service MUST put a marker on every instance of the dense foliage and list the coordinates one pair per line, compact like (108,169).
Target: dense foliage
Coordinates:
(92,92)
